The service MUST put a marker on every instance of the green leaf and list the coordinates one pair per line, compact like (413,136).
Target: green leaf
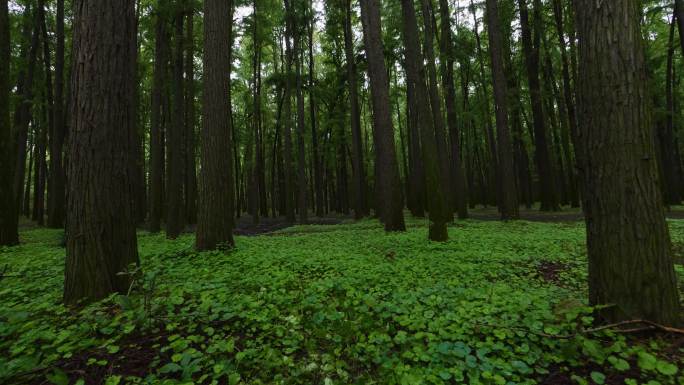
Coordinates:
(113,380)
(646,361)
(598,378)
(171,367)
(618,363)
(666,368)
(58,377)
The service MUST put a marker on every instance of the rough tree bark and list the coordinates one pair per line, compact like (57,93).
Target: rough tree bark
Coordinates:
(175,172)
(8,208)
(420,105)
(216,195)
(360,185)
(531,47)
(389,183)
(190,118)
(101,239)
(161,57)
(508,202)
(630,255)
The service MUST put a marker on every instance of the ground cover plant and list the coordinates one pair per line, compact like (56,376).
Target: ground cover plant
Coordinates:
(499,303)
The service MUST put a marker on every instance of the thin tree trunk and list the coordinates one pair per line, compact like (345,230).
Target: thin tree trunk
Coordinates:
(360,185)
(302,197)
(8,207)
(630,255)
(318,173)
(531,48)
(287,126)
(216,196)
(459,185)
(101,239)
(190,118)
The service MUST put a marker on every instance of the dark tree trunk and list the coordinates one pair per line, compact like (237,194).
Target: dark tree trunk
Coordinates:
(26,209)
(568,94)
(531,47)
(190,119)
(101,239)
(668,152)
(360,185)
(8,207)
(216,196)
(318,172)
(679,14)
(137,166)
(23,111)
(161,58)
(175,172)
(302,198)
(420,105)
(508,204)
(630,255)
(389,183)
(288,192)
(56,189)
(436,108)
(459,185)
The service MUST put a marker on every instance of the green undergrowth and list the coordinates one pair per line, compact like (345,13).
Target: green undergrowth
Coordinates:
(343,304)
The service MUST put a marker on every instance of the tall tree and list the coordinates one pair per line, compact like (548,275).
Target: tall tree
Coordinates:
(318,170)
(679,14)
(420,105)
(175,150)
(387,168)
(531,47)
(159,78)
(216,195)
(190,117)
(359,168)
(288,193)
(101,239)
(56,195)
(459,185)
(302,187)
(630,256)
(8,208)
(508,202)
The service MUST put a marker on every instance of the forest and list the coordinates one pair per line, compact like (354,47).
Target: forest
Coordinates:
(390,192)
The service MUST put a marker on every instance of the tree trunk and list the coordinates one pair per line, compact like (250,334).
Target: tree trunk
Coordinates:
(101,239)
(216,196)
(175,172)
(360,185)
(679,14)
(288,193)
(415,76)
(389,183)
(190,118)
(630,255)
(159,78)
(56,189)
(318,173)
(302,205)
(508,204)
(568,94)
(668,153)
(548,194)
(459,185)
(23,111)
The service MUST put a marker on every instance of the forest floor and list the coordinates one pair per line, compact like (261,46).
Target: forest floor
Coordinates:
(500,303)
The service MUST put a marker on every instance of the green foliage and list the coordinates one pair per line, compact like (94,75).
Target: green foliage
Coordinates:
(333,305)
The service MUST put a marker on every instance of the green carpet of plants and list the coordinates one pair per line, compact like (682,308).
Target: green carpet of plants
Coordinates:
(343,304)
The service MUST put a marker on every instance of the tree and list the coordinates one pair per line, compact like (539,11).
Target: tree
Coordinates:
(190,118)
(459,185)
(360,184)
(508,201)
(101,239)
(8,208)
(531,48)
(420,105)
(216,196)
(161,57)
(387,168)
(630,256)
(56,196)
(175,149)
(302,196)
(679,14)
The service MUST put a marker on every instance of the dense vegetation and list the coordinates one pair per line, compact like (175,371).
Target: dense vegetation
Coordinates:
(142,141)
(500,303)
